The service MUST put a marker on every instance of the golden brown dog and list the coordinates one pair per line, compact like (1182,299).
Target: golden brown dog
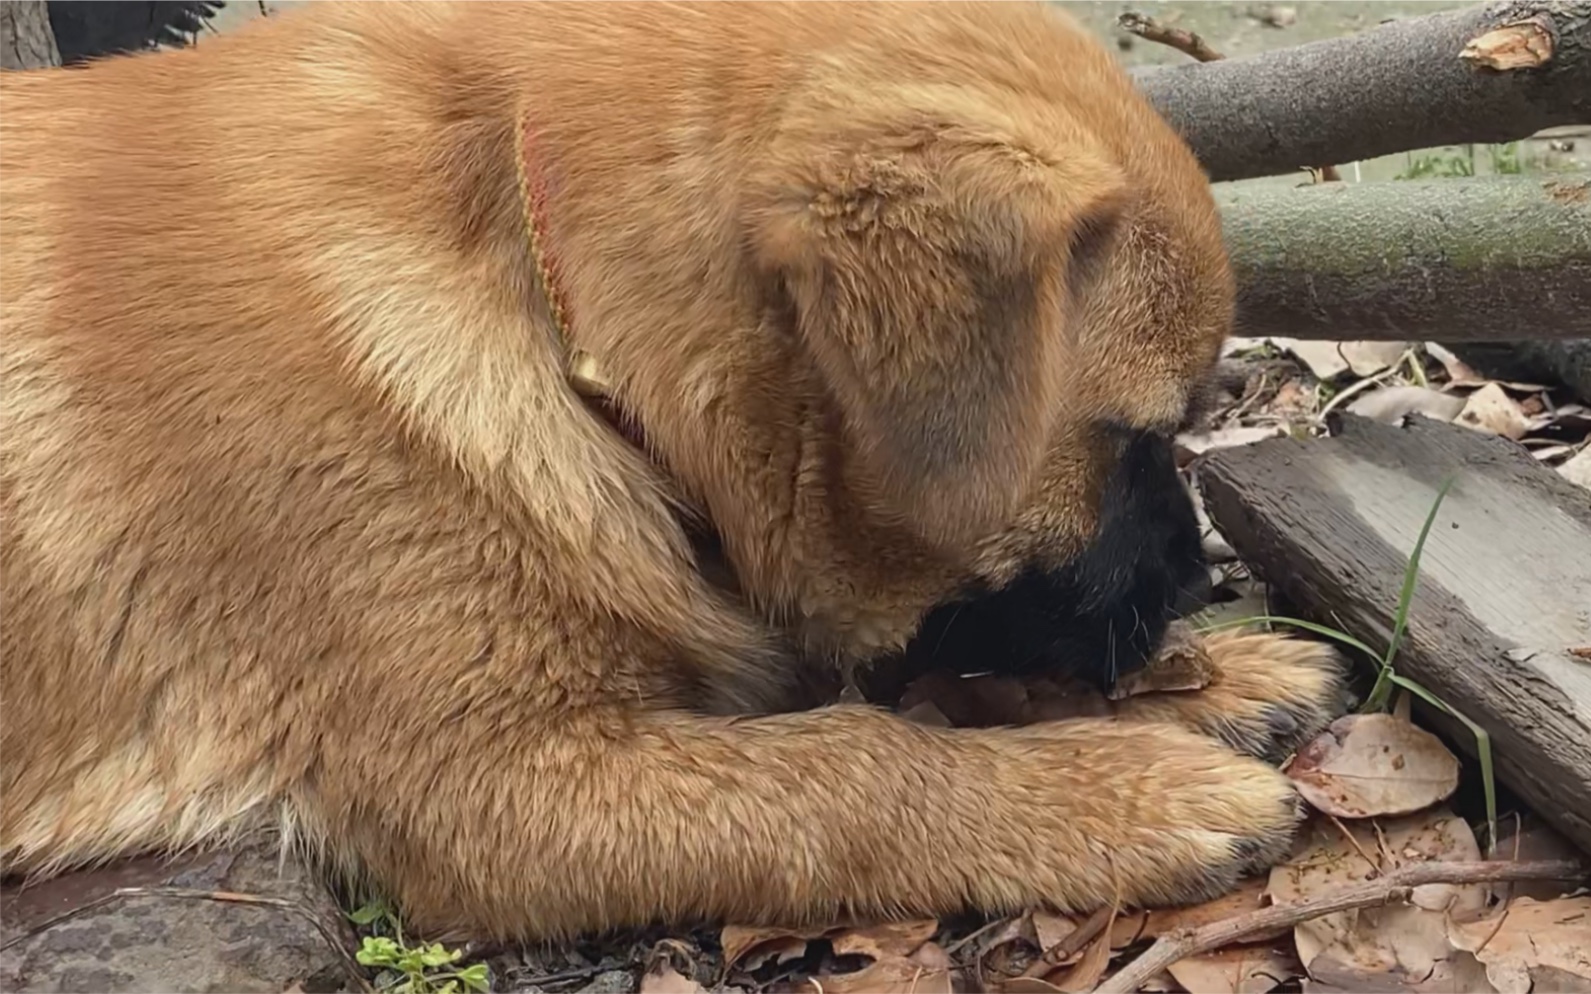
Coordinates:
(305,520)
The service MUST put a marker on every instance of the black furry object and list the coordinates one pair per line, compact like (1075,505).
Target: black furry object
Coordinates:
(87,29)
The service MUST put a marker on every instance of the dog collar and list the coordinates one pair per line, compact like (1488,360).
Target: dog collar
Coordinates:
(581,369)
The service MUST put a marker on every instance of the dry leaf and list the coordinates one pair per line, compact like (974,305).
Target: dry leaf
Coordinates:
(1026,985)
(750,948)
(1052,930)
(1235,970)
(1329,360)
(1532,841)
(970,701)
(1391,405)
(897,939)
(1194,443)
(1459,372)
(1460,973)
(926,713)
(1058,700)
(1395,939)
(1527,936)
(1365,765)
(1087,972)
(664,979)
(1249,896)
(896,975)
(1578,468)
(1180,664)
(1491,410)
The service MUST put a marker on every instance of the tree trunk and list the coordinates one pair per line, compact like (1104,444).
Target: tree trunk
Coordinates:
(1390,89)
(1455,260)
(26,41)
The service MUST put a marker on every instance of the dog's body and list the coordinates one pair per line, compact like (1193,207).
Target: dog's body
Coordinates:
(303,518)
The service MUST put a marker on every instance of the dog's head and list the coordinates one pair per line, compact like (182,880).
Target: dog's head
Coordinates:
(1011,292)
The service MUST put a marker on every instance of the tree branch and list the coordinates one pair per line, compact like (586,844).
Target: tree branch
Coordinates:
(1394,886)
(1401,86)
(1481,259)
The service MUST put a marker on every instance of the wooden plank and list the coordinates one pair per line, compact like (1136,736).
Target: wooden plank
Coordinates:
(1505,579)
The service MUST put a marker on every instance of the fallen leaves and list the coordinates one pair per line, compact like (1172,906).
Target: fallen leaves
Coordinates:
(1529,939)
(1367,765)
(1238,970)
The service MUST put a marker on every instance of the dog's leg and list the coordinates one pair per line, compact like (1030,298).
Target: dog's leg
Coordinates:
(1269,694)
(623,818)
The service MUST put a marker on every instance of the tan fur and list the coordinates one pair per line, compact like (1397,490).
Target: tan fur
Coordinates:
(301,514)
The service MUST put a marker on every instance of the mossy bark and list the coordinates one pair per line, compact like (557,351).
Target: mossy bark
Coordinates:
(1478,259)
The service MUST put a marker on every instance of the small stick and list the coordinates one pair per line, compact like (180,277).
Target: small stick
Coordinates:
(1149,29)
(1394,886)
(1073,944)
(1192,45)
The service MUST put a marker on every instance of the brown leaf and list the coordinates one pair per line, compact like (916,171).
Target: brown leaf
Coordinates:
(1026,985)
(1366,765)
(891,939)
(1459,372)
(1410,939)
(1460,973)
(1530,935)
(1086,973)
(1057,700)
(1235,970)
(1491,410)
(1052,930)
(1249,896)
(926,713)
(1391,405)
(1329,360)
(664,979)
(1181,664)
(750,948)
(1532,841)
(896,975)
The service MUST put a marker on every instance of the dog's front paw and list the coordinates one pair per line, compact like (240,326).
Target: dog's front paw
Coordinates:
(1267,695)
(1154,815)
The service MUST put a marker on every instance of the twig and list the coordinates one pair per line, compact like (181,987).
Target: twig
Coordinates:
(1073,943)
(354,971)
(1397,885)
(1190,44)
(1149,29)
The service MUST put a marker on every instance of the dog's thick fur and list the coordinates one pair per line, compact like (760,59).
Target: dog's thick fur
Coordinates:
(304,520)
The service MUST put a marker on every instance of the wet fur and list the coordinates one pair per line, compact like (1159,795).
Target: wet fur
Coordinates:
(303,522)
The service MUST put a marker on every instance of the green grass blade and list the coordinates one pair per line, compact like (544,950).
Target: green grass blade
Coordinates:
(1308,626)
(1411,574)
(1483,750)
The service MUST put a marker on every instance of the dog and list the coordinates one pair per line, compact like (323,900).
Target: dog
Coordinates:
(367,372)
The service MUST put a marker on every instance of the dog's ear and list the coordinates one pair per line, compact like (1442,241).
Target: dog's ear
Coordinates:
(927,266)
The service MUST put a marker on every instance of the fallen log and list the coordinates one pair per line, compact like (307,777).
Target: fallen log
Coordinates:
(1489,73)
(1500,623)
(1478,259)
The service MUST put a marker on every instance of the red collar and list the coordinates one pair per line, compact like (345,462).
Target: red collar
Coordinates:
(580,368)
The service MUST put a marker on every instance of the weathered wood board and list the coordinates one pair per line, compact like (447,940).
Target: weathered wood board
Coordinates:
(1504,595)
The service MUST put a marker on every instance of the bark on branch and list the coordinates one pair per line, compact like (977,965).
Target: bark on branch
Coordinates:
(1401,86)
(1480,259)
(26,41)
